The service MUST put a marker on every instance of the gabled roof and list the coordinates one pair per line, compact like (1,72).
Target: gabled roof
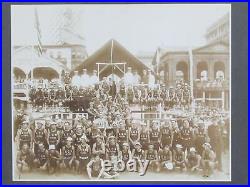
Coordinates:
(113,52)
(215,47)
(27,58)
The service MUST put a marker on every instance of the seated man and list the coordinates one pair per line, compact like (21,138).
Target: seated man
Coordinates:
(193,160)
(95,169)
(68,154)
(208,160)
(165,156)
(41,159)
(152,156)
(24,158)
(138,155)
(179,158)
(53,159)
(83,154)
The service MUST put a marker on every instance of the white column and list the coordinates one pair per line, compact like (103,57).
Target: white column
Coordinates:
(203,97)
(223,100)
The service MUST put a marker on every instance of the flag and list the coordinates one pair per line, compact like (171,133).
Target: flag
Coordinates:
(39,35)
(157,61)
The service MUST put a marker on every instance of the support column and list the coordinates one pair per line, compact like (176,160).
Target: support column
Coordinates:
(227,71)
(31,74)
(172,73)
(194,71)
(203,96)
(211,71)
(223,100)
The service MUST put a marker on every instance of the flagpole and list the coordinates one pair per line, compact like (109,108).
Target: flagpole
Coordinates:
(111,59)
(191,79)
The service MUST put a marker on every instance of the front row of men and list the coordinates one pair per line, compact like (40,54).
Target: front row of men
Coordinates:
(81,159)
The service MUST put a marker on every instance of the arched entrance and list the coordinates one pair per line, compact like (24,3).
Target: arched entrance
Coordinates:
(19,74)
(219,70)
(182,71)
(45,73)
(202,71)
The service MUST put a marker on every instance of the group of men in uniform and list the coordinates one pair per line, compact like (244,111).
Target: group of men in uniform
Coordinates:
(84,147)
(110,134)
(77,99)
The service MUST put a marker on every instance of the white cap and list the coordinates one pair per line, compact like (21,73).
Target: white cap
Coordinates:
(192,149)
(179,146)
(52,147)
(69,139)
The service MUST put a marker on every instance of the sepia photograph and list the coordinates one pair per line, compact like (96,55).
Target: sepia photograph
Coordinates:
(121,92)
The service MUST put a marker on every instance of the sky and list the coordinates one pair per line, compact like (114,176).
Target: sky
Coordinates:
(139,28)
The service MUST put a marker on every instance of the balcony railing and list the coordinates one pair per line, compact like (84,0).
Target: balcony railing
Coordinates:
(211,85)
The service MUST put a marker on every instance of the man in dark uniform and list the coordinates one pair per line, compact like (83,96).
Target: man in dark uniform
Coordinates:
(200,137)
(53,136)
(112,149)
(46,97)
(68,96)
(54,159)
(67,132)
(186,136)
(151,154)
(95,169)
(40,135)
(39,98)
(122,135)
(52,95)
(138,155)
(215,136)
(99,147)
(154,135)
(24,135)
(41,159)
(193,160)
(79,133)
(125,153)
(144,136)
(68,155)
(134,134)
(24,159)
(171,97)
(186,96)
(83,155)
(179,158)
(166,134)
(208,160)
(130,94)
(165,156)
(122,90)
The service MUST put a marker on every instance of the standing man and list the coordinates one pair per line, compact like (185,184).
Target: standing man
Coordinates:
(215,136)
(24,135)
(85,80)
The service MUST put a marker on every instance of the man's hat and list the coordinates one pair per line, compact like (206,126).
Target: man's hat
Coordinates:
(25,122)
(69,139)
(179,146)
(137,143)
(52,147)
(192,149)
(207,145)
(53,123)
(125,144)
(83,137)
(111,137)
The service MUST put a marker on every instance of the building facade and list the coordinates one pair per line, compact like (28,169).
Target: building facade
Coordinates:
(206,67)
